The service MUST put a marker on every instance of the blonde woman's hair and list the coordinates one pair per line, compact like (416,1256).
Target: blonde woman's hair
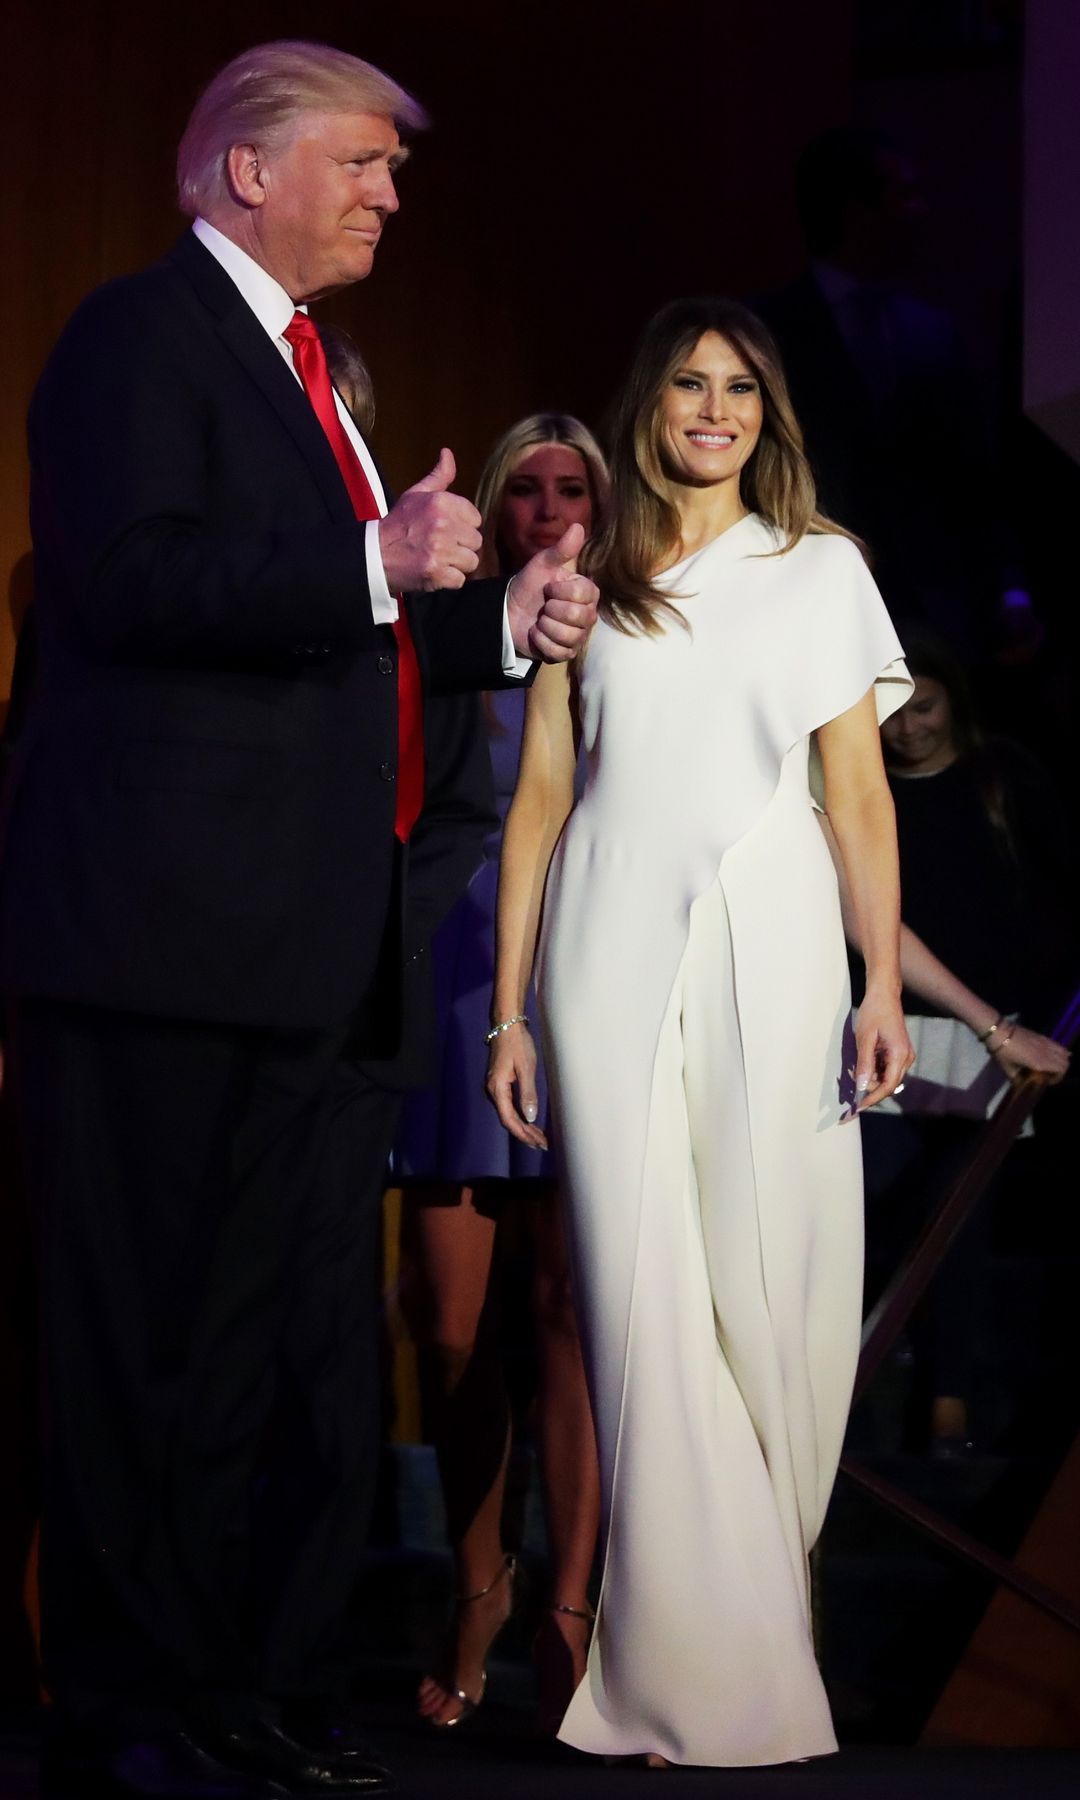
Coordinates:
(531,434)
(257,99)
(642,527)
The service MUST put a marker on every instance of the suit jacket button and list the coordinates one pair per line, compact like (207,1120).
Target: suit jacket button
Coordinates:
(386,771)
(386,665)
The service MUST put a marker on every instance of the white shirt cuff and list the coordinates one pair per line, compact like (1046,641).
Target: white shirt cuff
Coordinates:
(513,665)
(384,607)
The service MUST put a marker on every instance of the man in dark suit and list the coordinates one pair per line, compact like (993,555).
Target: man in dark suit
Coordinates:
(206,920)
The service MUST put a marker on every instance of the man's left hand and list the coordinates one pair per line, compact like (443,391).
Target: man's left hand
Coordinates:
(550,607)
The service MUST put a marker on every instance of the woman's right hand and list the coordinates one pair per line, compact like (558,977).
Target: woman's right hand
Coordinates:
(1028,1052)
(512,1063)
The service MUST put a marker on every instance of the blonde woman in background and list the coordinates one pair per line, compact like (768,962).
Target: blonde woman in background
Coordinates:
(460,1172)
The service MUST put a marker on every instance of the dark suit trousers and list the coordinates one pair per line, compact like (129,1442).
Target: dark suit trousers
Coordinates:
(207,1203)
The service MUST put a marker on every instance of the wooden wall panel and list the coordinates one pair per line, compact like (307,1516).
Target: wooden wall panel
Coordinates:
(1018,1681)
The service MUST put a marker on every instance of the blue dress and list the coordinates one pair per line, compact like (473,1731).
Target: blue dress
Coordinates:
(449,1130)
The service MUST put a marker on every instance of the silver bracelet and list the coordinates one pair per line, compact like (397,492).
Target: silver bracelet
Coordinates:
(504,1025)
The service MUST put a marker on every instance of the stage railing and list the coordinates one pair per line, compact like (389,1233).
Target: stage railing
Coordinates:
(901,1296)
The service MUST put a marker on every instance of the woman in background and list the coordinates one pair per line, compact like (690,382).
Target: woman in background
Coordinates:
(988,871)
(988,865)
(460,1172)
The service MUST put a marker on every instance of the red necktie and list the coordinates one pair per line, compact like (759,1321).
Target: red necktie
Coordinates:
(310,359)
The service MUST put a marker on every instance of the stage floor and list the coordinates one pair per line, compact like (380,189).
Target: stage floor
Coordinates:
(495,1759)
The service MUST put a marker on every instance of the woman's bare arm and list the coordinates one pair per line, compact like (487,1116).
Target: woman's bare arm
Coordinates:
(860,811)
(927,976)
(542,801)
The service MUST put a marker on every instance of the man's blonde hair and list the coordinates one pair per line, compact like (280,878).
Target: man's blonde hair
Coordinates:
(257,98)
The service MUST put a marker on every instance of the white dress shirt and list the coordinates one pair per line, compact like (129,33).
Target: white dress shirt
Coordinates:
(274,310)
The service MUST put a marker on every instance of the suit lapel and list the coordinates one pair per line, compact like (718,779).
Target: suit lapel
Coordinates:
(246,340)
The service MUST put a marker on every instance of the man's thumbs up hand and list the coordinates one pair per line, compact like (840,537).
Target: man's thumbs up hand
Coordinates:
(551,608)
(561,558)
(441,476)
(431,538)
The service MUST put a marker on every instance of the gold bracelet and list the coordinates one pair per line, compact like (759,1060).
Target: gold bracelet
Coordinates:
(983,1036)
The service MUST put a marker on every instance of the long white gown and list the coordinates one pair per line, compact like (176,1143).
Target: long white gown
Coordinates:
(694,990)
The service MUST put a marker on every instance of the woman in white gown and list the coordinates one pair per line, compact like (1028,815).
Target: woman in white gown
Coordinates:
(694,996)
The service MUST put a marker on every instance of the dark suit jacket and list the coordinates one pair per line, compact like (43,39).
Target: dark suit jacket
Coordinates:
(200,806)
(444,852)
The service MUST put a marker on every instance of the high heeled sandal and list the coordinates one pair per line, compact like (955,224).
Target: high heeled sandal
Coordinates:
(550,1716)
(466,1702)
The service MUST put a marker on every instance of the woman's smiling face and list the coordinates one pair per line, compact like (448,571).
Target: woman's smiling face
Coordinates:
(711,414)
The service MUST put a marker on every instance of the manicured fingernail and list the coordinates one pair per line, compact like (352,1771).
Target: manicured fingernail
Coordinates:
(530,1112)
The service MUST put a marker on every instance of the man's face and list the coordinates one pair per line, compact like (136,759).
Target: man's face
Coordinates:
(328,193)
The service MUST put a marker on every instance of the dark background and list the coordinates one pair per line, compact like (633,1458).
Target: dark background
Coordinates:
(586,161)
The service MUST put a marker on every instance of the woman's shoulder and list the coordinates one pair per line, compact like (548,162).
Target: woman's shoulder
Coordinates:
(1010,758)
(831,550)
(832,568)
(1032,793)
(825,556)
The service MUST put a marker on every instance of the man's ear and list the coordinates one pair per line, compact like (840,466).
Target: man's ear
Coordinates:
(244,169)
